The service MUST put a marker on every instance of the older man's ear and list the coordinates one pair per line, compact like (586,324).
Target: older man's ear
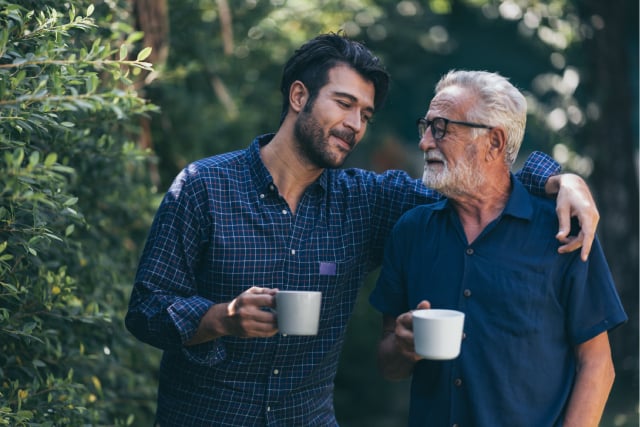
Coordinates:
(497,144)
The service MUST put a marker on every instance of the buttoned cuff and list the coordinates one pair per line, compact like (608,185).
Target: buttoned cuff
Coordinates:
(536,171)
(186,314)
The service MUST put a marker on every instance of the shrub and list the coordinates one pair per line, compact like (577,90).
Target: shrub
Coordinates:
(74,203)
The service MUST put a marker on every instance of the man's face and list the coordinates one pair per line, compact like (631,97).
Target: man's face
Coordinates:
(330,126)
(451,164)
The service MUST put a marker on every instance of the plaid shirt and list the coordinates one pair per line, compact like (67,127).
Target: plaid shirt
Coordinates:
(222,228)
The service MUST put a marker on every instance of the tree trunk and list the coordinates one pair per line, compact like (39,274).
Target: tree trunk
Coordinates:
(152,18)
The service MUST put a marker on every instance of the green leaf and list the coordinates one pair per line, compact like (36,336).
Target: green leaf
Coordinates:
(50,159)
(18,157)
(123,52)
(70,201)
(39,363)
(144,54)
(34,158)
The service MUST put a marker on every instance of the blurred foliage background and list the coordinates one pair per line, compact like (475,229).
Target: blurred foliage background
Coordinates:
(94,126)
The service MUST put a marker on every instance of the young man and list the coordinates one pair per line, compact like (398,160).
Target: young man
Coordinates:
(535,350)
(236,227)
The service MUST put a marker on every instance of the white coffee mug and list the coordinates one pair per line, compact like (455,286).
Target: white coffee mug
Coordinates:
(437,333)
(298,312)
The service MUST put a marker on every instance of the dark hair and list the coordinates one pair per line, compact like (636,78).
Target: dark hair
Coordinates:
(312,61)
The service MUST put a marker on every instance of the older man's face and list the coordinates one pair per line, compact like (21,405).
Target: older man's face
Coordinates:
(451,164)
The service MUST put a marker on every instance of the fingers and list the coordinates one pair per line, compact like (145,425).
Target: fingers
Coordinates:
(404,326)
(574,242)
(570,244)
(588,223)
(424,305)
(247,317)
(588,219)
(575,200)
(564,222)
(404,335)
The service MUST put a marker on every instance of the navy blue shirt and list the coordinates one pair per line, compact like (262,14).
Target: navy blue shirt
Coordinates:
(222,228)
(526,308)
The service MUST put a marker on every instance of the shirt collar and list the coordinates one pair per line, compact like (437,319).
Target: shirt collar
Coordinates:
(518,206)
(260,173)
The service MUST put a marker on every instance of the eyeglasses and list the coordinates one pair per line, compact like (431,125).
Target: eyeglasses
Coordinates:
(439,126)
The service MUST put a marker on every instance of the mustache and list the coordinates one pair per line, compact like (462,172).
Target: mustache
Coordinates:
(432,155)
(346,135)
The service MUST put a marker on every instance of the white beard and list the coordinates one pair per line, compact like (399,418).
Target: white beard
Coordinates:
(465,178)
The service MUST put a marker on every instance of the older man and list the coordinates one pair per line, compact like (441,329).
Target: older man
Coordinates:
(535,350)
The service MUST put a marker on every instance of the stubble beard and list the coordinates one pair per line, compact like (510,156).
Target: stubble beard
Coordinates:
(313,144)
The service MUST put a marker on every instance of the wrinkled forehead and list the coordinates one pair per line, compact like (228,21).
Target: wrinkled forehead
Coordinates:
(451,102)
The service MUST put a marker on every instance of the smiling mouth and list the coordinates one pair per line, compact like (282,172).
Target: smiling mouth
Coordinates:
(346,139)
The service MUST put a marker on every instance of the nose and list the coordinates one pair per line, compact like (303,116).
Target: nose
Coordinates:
(427,141)
(354,121)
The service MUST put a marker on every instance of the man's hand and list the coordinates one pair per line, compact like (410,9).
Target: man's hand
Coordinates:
(247,316)
(574,200)
(396,351)
(404,333)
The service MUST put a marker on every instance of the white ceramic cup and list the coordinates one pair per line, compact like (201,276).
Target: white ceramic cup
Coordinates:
(298,312)
(437,333)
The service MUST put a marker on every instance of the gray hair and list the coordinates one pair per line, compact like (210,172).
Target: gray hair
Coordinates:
(498,103)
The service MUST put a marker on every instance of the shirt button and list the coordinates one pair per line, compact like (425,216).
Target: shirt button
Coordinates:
(284,211)
(271,187)
(457,382)
(467,293)
(293,251)
(262,196)
(276,372)
(469,251)
(268,408)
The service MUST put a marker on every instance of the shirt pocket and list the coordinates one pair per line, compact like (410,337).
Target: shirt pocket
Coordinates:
(515,300)
(336,278)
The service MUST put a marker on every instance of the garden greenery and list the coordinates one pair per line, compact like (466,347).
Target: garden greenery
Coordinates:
(74,202)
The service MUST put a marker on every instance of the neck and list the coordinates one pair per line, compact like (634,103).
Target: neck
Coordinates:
(479,209)
(291,174)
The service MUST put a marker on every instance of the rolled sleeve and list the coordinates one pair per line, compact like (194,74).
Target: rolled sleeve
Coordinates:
(186,314)
(535,172)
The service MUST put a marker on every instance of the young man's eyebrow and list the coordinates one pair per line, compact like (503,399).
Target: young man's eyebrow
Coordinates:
(353,99)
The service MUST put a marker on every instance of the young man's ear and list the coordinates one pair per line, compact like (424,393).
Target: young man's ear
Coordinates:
(298,96)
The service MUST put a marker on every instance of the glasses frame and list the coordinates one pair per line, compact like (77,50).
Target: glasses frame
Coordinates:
(424,124)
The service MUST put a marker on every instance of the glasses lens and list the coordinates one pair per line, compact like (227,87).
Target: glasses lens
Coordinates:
(439,128)
(422,127)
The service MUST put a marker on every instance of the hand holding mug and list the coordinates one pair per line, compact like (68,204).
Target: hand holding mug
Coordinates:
(248,315)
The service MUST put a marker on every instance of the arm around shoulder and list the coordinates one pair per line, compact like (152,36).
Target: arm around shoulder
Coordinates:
(574,200)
